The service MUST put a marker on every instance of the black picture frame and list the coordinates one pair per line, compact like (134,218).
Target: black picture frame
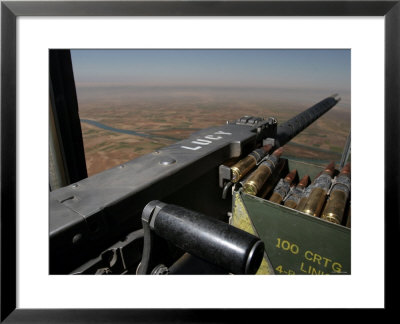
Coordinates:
(10,10)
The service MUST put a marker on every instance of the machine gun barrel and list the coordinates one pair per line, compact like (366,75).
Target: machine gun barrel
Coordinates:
(91,215)
(297,124)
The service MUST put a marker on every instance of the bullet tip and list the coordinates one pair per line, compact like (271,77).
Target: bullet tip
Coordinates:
(346,169)
(330,168)
(291,176)
(304,181)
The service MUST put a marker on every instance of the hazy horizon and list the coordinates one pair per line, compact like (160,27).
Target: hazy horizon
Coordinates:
(110,94)
(264,74)
(311,69)
(169,94)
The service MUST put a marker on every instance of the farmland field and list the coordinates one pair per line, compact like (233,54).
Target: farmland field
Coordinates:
(152,118)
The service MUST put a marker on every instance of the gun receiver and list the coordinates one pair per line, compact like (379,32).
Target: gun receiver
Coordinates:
(94,213)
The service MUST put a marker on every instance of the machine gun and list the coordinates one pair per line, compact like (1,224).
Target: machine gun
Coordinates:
(106,223)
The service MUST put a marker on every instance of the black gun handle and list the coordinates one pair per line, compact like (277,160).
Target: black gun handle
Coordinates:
(204,237)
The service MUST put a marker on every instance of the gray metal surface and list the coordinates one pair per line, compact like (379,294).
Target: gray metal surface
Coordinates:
(106,205)
(90,195)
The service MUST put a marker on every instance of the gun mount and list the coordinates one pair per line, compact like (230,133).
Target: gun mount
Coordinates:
(88,217)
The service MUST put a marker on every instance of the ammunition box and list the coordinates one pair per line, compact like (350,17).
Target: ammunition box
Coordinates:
(295,242)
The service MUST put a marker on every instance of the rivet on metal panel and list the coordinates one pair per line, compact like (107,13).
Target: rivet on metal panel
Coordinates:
(167,161)
(77,238)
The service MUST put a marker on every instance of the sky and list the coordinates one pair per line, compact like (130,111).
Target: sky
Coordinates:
(296,69)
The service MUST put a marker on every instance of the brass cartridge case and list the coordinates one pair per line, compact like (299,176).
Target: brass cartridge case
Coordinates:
(243,167)
(335,206)
(276,198)
(291,204)
(280,170)
(320,187)
(257,179)
(304,197)
(315,202)
(306,194)
(302,203)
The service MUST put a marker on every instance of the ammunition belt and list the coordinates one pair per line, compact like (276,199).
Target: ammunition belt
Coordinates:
(258,154)
(271,162)
(342,183)
(324,181)
(295,195)
(308,190)
(282,188)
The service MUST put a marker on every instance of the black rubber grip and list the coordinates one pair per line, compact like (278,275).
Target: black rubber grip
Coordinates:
(210,239)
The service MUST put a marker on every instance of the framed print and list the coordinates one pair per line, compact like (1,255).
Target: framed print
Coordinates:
(37,38)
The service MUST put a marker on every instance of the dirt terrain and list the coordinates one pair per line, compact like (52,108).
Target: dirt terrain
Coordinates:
(169,117)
